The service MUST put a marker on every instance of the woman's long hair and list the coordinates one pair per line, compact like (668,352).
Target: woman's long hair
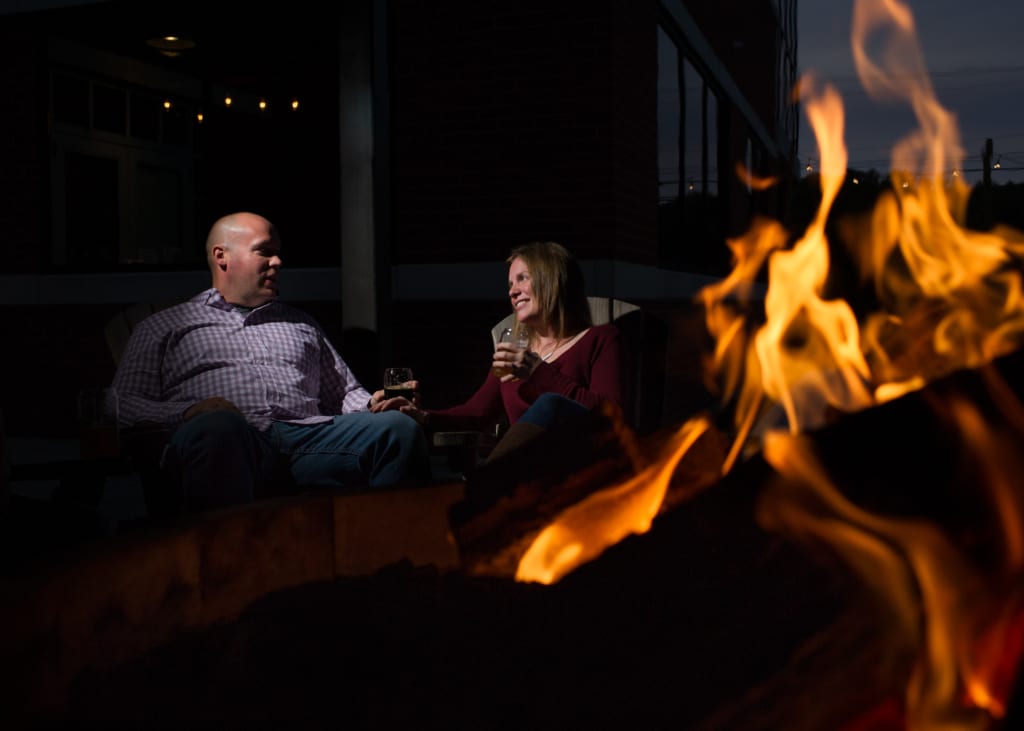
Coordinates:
(558,286)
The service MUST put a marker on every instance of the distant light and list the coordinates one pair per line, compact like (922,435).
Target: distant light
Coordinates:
(996,165)
(295,105)
(956,173)
(167,103)
(199,117)
(855,181)
(227,101)
(263,105)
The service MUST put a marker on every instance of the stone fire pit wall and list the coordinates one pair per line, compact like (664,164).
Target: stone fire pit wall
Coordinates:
(121,597)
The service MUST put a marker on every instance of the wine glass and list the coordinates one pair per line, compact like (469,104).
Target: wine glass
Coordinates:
(398,382)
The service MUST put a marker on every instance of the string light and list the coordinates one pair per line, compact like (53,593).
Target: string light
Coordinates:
(996,165)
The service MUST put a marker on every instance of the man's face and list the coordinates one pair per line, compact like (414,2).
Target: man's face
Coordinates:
(249,262)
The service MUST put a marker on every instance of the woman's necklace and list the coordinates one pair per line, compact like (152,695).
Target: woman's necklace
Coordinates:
(553,350)
(560,344)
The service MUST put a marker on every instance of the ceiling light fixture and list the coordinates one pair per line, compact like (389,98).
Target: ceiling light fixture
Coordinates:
(171,46)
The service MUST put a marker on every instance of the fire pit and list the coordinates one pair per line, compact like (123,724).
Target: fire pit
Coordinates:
(706,621)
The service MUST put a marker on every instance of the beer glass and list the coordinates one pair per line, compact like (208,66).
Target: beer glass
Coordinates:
(521,344)
(398,382)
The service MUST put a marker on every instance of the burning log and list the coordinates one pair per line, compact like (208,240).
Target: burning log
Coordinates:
(508,501)
(921,497)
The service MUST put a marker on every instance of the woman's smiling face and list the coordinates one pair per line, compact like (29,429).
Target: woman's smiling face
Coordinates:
(520,292)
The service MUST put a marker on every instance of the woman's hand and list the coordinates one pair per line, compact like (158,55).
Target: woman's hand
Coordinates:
(516,363)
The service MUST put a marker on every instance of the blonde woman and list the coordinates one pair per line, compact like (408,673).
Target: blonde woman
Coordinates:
(569,367)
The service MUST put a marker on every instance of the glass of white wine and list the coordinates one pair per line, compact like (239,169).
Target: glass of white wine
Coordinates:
(522,343)
(398,382)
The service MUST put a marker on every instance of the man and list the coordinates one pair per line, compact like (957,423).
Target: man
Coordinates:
(246,381)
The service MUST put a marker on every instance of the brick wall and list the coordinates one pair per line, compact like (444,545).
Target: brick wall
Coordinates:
(520,121)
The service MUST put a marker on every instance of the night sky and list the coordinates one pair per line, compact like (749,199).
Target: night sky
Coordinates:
(974,56)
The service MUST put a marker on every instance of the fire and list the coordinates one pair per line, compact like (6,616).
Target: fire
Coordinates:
(942,298)
(583,531)
(949,297)
(967,649)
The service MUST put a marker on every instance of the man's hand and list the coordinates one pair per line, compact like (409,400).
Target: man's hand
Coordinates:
(377,400)
(400,403)
(379,403)
(211,404)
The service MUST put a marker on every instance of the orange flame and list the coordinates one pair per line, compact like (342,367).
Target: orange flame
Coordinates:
(583,531)
(969,645)
(948,298)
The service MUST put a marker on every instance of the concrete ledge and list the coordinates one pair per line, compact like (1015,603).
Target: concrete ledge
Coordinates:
(129,594)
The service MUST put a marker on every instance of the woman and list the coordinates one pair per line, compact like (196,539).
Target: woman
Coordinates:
(569,368)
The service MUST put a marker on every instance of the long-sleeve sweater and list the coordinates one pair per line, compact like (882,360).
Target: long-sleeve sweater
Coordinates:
(589,372)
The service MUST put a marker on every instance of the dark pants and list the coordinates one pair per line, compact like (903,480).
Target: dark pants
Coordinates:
(222,460)
(549,411)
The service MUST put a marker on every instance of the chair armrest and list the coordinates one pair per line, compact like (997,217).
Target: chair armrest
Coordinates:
(457,439)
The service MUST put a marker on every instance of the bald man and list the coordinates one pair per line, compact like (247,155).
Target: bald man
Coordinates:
(247,382)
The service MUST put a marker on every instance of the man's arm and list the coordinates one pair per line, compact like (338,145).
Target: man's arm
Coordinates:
(138,382)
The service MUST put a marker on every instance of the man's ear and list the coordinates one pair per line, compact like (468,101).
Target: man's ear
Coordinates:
(220,256)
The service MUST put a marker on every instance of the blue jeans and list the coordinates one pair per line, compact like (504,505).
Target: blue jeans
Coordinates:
(223,460)
(551,409)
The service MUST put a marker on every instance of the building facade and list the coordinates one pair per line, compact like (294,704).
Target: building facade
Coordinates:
(402,146)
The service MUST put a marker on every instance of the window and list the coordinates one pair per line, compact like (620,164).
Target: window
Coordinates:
(689,209)
(122,176)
